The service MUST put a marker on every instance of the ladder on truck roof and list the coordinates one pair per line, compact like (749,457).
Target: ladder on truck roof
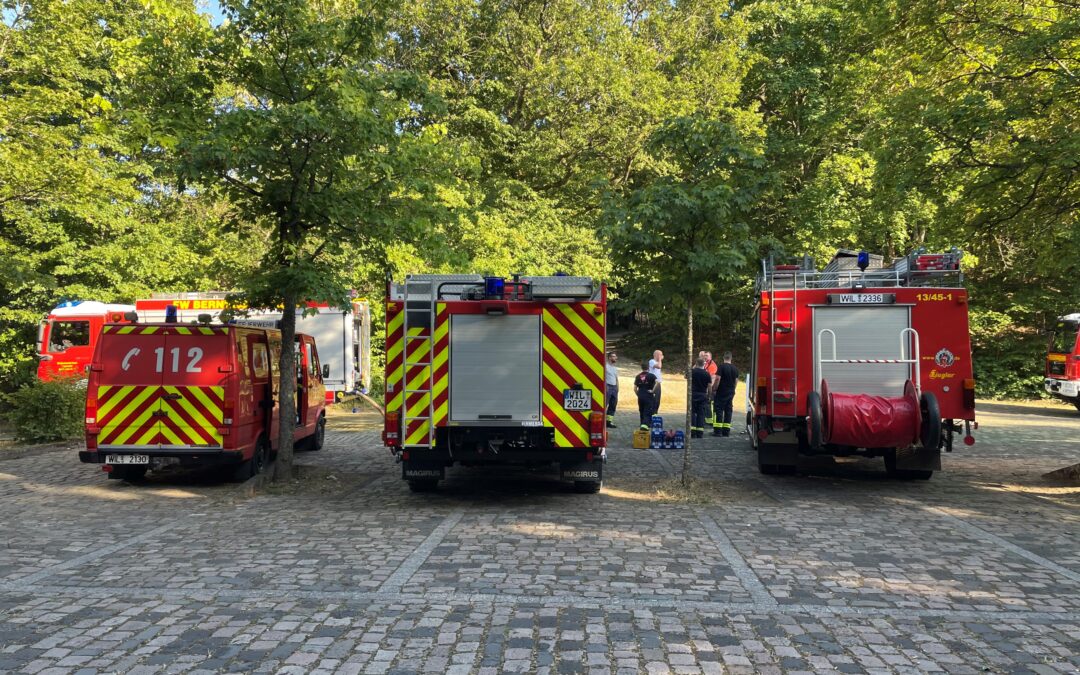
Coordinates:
(419,306)
(784,343)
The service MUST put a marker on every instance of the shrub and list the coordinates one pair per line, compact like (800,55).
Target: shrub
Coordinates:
(48,411)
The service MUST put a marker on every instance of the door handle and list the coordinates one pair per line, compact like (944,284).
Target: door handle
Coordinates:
(172,397)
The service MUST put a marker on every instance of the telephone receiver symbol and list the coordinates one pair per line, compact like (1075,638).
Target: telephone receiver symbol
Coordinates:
(126,363)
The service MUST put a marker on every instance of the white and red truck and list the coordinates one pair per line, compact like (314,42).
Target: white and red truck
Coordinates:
(67,337)
(1063,360)
(495,371)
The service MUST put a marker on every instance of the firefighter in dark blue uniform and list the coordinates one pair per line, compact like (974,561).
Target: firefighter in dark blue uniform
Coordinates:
(728,377)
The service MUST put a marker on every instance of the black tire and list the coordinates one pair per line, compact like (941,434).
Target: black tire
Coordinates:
(1077,404)
(587,487)
(131,474)
(768,469)
(250,468)
(423,485)
(930,432)
(904,474)
(316,440)
(814,429)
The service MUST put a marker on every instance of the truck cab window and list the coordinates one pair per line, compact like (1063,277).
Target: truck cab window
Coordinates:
(64,334)
(1063,338)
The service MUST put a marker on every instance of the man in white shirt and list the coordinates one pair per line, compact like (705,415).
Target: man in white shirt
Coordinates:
(656,368)
(611,387)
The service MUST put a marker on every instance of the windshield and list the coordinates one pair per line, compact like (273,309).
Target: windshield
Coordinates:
(64,334)
(1063,338)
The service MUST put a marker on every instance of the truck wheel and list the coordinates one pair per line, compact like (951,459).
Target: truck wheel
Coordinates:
(587,487)
(251,467)
(814,432)
(132,474)
(930,433)
(423,485)
(317,439)
(768,469)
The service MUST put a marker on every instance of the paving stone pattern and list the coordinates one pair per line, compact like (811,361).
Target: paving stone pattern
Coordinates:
(835,570)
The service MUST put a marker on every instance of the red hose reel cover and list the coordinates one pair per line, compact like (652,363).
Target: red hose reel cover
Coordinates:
(868,421)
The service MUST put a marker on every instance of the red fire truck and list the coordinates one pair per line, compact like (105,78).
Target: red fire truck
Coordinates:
(861,359)
(67,336)
(488,370)
(1063,360)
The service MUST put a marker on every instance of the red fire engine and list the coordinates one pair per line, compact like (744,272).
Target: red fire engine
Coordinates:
(1063,360)
(861,359)
(67,336)
(495,371)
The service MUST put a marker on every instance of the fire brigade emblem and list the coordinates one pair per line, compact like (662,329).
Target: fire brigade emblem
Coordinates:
(944,358)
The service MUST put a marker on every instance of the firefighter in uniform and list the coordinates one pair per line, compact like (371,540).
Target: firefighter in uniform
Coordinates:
(611,388)
(710,367)
(728,376)
(646,386)
(700,382)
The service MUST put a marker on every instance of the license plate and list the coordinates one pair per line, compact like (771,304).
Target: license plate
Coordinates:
(127,459)
(577,399)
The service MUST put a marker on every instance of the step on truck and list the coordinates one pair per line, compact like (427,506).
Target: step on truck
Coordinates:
(861,359)
(1063,360)
(195,395)
(494,371)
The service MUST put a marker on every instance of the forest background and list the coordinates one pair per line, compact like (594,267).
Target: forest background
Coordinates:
(664,147)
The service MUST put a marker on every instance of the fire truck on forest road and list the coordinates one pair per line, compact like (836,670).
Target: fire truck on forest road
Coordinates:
(488,371)
(861,359)
(1063,360)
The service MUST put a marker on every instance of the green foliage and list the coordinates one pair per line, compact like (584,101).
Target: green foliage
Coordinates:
(48,411)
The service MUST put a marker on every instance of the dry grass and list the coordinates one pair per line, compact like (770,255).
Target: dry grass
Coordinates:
(670,491)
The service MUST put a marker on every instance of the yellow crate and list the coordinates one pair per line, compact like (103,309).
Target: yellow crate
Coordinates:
(642,439)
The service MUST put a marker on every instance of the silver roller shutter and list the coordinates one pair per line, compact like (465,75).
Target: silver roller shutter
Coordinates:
(863,333)
(494,368)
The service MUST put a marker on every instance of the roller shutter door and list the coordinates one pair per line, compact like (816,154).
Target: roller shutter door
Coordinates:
(494,368)
(863,333)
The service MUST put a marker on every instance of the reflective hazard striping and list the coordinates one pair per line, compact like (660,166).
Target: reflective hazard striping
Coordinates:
(417,386)
(417,432)
(135,329)
(573,354)
(160,415)
(395,356)
(440,364)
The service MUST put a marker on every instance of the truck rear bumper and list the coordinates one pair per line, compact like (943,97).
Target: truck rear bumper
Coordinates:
(577,464)
(1068,389)
(185,455)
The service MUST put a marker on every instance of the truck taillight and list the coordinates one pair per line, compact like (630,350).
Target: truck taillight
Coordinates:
(91,410)
(227,413)
(762,391)
(391,429)
(969,393)
(596,429)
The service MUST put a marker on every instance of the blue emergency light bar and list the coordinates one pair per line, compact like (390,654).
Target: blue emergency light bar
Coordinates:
(494,287)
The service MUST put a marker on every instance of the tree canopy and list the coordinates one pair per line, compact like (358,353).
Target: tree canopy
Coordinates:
(311,147)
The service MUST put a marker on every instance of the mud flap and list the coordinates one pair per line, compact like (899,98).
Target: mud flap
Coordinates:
(412,471)
(918,459)
(778,454)
(583,472)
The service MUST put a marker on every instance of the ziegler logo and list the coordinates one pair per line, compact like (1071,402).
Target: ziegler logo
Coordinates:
(944,359)
(582,474)
(936,375)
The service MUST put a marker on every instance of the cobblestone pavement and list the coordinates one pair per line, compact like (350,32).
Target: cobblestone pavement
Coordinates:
(837,569)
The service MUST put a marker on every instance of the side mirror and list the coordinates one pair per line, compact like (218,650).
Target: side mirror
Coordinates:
(326,370)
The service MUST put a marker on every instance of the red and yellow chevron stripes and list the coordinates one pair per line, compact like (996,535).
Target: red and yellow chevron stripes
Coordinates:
(138,415)
(440,364)
(138,329)
(395,355)
(417,386)
(573,353)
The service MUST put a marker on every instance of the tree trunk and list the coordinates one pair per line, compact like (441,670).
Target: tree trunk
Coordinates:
(689,389)
(283,468)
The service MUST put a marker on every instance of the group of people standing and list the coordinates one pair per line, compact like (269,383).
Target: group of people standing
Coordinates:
(712,391)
